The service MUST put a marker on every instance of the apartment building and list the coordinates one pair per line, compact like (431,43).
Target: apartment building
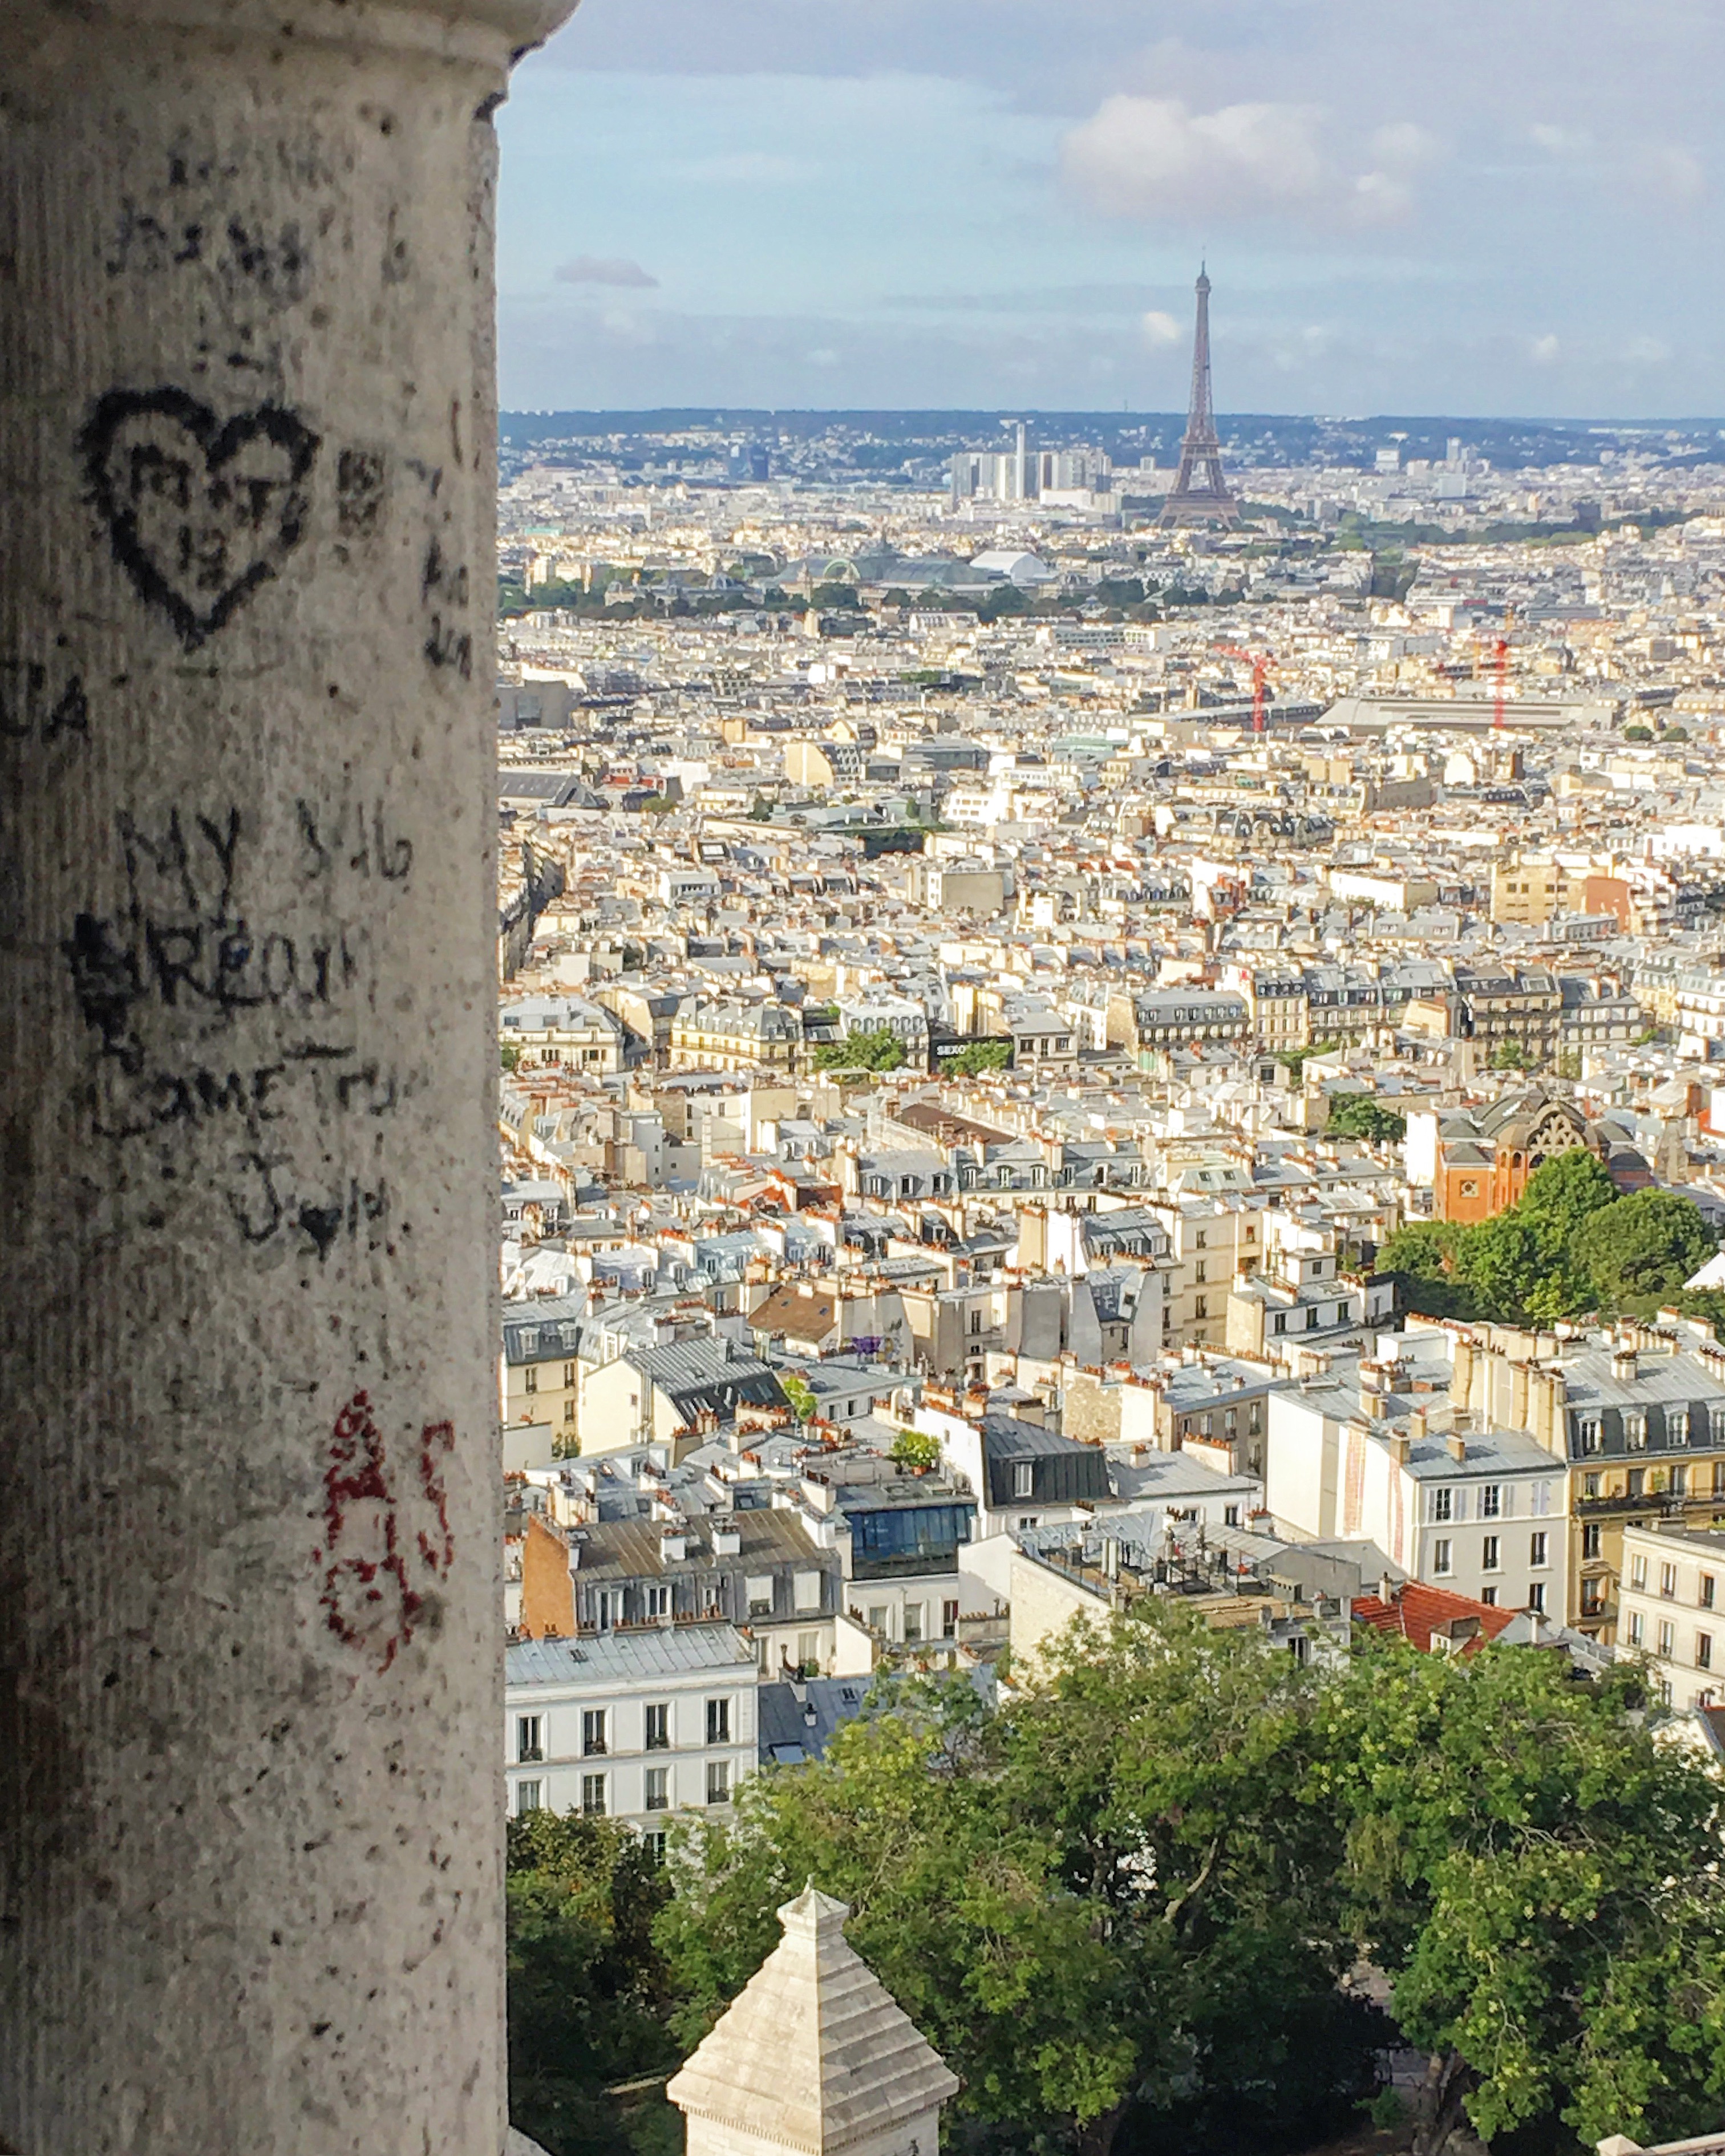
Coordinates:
(629,1725)
(540,1378)
(1637,1421)
(1672,1609)
(1477,1510)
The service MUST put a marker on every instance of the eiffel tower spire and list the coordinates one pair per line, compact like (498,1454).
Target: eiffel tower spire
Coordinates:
(1200,492)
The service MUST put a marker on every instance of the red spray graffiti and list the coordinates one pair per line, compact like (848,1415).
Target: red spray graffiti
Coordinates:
(367,1594)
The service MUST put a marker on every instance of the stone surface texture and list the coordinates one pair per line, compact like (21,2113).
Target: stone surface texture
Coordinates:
(814,2054)
(251,1652)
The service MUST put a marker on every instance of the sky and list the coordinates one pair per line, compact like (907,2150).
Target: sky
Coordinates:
(1466,207)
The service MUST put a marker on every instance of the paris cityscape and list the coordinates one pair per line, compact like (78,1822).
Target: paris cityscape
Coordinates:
(862,951)
(1108,1029)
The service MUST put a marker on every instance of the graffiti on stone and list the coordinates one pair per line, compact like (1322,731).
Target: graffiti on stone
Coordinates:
(200,512)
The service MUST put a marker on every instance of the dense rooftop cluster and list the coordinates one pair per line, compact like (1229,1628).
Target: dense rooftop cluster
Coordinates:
(1011,1020)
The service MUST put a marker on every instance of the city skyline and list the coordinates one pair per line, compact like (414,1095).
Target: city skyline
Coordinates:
(973,211)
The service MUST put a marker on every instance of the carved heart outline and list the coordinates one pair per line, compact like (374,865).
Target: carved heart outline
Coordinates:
(219,442)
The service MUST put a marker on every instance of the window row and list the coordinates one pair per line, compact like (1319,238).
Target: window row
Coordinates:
(1666,1641)
(1683,1426)
(1496,1500)
(596,1792)
(1706,1587)
(1442,1553)
(878,1618)
(599,1731)
(659,1601)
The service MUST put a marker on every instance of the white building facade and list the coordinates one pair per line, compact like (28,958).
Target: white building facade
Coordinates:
(1481,1512)
(1672,1610)
(631,1725)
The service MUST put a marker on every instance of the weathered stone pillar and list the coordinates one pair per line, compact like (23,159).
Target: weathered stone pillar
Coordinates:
(249,1622)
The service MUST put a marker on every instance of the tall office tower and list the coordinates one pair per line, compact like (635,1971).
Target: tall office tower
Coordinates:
(1200,492)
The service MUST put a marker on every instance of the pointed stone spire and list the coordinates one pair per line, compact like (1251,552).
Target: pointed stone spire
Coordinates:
(814,2055)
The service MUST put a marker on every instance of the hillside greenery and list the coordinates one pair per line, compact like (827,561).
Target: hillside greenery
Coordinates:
(1131,1905)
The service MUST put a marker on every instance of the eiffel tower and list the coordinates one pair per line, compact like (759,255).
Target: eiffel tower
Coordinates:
(1201,492)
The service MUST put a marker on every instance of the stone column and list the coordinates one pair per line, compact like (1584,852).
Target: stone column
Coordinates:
(250,1694)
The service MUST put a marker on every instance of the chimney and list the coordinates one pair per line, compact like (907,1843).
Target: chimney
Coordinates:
(672,1548)
(1461,1382)
(727,1539)
(1458,1445)
(1386,1590)
(1417,1426)
(1624,1365)
(1398,1449)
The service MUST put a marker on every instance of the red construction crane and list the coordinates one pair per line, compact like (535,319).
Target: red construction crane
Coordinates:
(1499,660)
(1261,663)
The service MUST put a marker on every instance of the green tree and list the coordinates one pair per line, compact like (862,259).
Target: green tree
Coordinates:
(1535,1874)
(1705,1303)
(1421,1257)
(1360,1116)
(916,1448)
(877,1048)
(800,1394)
(1121,591)
(834,597)
(980,1055)
(1296,1059)
(1108,1893)
(587,1988)
(509,1055)
(1562,1193)
(1498,1262)
(1642,1249)
(1511,1055)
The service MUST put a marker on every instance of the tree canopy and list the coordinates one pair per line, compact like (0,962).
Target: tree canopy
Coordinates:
(1362,1115)
(1644,1247)
(1536,1874)
(1570,1247)
(1135,1892)
(800,1394)
(589,1989)
(877,1048)
(979,1056)
(1109,1895)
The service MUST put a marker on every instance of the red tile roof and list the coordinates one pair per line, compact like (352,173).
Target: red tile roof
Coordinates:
(1419,1613)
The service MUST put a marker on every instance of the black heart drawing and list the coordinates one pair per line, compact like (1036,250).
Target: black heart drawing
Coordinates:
(200,510)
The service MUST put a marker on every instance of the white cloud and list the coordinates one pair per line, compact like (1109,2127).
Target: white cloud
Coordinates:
(1147,157)
(1402,147)
(1381,198)
(1559,141)
(603,269)
(1543,351)
(1673,176)
(1647,351)
(1151,156)
(822,356)
(1161,329)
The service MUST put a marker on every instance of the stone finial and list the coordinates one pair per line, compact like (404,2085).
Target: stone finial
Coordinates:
(814,2055)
